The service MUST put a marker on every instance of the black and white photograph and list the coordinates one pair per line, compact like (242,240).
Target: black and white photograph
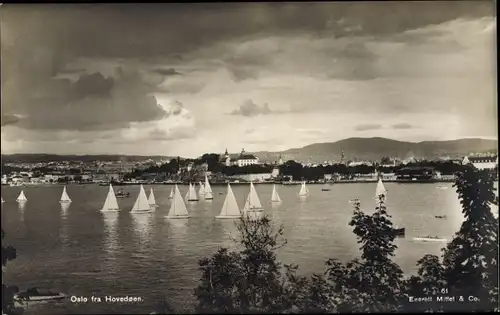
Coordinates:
(249,157)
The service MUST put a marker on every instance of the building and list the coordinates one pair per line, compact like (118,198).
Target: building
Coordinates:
(243,159)
(486,162)
(254,177)
(275,173)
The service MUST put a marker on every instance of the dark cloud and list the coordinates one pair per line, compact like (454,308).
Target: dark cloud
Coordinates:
(166,72)
(365,127)
(92,103)
(8,119)
(403,126)
(249,109)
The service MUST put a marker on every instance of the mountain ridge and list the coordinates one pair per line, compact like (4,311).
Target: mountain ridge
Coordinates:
(355,148)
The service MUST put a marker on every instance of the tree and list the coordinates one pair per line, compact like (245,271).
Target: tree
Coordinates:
(471,259)
(248,281)
(373,283)
(8,308)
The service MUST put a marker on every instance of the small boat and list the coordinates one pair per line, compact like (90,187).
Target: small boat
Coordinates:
(64,197)
(141,204)
(274,196)
(22,197)
(440,216)
(122,194)
(400,231)
(230,209)
(178,208)
(304,191)
(110,204)
(380,189)
(35,295)
(221,193)
(152,199)
(429,239)
(325,188)
(208,189)
(442,187)
(253,208)
(191,193)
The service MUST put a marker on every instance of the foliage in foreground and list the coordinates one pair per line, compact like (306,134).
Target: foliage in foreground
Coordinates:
(252,281)
(8,308)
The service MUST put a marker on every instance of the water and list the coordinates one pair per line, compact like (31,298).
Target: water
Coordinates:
(82,252)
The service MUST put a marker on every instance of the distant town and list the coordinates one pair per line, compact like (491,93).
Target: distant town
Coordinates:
(240,168)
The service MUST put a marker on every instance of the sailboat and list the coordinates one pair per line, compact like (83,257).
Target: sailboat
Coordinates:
(178,208)
(275,197)
(191,194)
(201,191)
(22,197)
(252,203)
(141,204)
(230,209)
(152,199)
(171,193)
(380,190)
(304,191)
(110,204)
(64,197)
(208,189)
(3,200)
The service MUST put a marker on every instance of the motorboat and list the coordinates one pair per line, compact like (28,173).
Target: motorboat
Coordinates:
(36,295)
(440,216)
(122,194)
(429,239)
(400,231)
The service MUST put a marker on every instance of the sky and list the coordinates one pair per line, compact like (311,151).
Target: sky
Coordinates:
(187,79)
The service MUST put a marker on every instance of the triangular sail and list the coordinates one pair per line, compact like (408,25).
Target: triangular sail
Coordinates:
(201,191)
(22,197)
(303,190)
(65,196)
(380,190)
(178,207)
(208,189)
(141,203)
(252,202)
(192,193)
(3,200)
(151,198)
(230,207)
(110,204)
(275,197)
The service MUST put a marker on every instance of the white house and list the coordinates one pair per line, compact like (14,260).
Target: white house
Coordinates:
(482,162)
(246,159)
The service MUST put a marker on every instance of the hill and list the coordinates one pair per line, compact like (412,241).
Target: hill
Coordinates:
(34,158)
(376,148)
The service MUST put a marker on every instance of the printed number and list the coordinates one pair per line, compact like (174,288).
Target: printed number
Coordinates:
(444,291)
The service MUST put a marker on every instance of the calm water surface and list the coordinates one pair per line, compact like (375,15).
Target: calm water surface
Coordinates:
(77,250)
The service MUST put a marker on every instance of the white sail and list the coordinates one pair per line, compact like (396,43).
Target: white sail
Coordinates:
(151,198)
(178,208)
(304,191)
(141,203)
(110,204)
(208,189)
(380,190)
(64,197)
(201,191)
(252,202)
(3,200)
(22,197)
(275,197)
(230,209)
(191,196)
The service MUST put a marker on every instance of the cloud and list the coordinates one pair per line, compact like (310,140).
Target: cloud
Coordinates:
(91,102)
(403,126)
(8,119)
(250,109)
(365,127)
(166,72)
